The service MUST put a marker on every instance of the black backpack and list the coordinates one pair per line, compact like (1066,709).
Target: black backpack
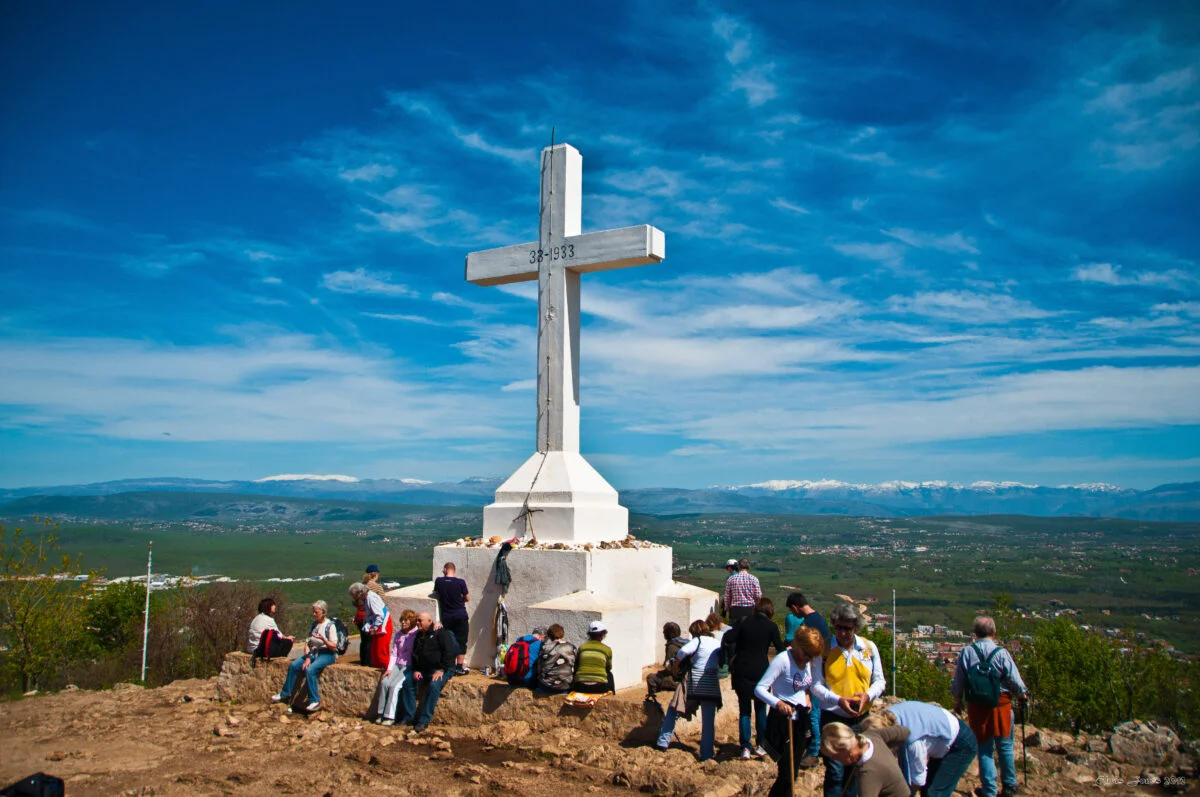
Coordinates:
(983,679)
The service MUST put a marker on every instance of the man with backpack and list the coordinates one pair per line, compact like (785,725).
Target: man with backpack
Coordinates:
(520,661)
(985,679)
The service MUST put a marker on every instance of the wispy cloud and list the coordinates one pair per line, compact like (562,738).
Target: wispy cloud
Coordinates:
(966,307)
(1108,274)
(955,243)
(749,73)
(368,173)
(360,280)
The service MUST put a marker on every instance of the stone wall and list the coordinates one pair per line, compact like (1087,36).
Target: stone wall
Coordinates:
(471,700)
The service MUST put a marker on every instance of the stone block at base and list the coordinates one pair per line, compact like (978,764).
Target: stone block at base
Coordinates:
(629,589)
(476,701)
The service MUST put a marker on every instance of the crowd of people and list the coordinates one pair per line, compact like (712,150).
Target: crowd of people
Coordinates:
(807,697)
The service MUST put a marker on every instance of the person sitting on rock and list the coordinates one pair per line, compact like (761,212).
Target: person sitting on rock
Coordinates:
(593,663)
(664,680)
(556,662)
(395,684)
(266,641)
(520,661)
(321,652)
(434,650)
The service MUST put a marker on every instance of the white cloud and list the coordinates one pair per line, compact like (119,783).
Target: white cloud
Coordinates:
(955,243)
(858,203)
(368,173)
(261,388)
(272,281)
(888,253)
(360,280)
(653,181)
(475,141)
(749,74)
(967,307)
(413,319)
(1183,308)
(258,255)
(783,204)
(523,386)
(1108,274)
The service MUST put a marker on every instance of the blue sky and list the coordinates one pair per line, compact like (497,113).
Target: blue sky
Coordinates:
(904,241)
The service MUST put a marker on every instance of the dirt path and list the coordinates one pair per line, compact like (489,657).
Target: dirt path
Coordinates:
(179,741)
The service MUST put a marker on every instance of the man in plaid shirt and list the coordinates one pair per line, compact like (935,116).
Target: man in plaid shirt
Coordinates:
(742,591)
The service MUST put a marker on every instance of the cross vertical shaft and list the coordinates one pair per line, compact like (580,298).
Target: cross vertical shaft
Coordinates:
(558,301)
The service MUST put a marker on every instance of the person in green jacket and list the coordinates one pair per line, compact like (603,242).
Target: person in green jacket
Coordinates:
(593,663)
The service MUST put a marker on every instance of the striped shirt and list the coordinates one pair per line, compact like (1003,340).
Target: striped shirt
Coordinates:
(593,662)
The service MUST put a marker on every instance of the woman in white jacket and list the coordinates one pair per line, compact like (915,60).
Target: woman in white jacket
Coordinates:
(785,688)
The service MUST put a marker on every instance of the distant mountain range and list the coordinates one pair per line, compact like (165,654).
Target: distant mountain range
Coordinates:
(1168,502)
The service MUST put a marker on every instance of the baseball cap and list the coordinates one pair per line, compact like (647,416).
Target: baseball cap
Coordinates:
(372,569)
(596,627)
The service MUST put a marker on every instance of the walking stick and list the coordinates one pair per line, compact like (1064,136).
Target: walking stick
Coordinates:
(791,759)
(1024,706)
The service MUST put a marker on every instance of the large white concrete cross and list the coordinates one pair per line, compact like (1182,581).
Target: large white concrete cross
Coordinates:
(556,260)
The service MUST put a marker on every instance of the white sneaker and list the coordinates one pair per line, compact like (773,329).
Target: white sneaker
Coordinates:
(761,753)
(311,707)
(388,722)
(746,755)
(278,698)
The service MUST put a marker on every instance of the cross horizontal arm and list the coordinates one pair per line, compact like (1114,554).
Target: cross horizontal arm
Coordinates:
(594,251)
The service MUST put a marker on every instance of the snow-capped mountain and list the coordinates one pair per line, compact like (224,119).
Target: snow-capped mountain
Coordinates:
(1176,502)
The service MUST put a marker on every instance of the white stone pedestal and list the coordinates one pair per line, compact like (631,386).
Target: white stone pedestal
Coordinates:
(629,589)
(573,502)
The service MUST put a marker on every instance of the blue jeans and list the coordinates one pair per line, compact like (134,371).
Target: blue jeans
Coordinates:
(814,742)
(987,764)
(323,660)
(431,696)
(747,703)
(708,728)
(943,774)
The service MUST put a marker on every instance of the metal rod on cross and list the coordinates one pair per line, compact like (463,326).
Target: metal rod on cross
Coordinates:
(146,621)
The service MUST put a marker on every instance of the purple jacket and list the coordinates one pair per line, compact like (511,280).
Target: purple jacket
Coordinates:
(400,653)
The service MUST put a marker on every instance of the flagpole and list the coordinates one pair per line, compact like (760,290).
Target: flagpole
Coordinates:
(146,622)
(893,643)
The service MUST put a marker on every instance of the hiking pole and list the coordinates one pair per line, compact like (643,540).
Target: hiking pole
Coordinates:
(791,758)
(1024,706)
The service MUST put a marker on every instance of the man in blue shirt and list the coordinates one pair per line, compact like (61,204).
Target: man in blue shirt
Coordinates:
(800,614)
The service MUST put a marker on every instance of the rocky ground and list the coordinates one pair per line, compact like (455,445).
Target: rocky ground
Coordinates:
(182,740)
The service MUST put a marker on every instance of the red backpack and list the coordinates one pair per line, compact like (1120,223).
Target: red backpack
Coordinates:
(516,660)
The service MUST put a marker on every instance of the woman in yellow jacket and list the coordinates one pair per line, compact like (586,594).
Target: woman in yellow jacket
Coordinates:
(850,680)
